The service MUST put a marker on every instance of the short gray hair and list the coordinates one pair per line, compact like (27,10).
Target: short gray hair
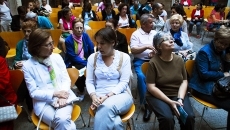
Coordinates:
(158,39)
(144,18)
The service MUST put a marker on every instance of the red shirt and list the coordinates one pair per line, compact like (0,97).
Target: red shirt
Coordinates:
(75,1)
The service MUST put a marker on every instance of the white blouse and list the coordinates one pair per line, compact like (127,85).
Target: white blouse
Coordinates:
(123,22)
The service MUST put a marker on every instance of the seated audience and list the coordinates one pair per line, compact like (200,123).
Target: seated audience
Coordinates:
(121,44)
(101,6)
(78,48)
(141,44)
(210,66)
(197,18)
(166,94)
(123,17)
(158,22)
(39,10)
(107,82)
(42,21)
(176,10)
(48,82)
(181,39)
(108,12)
(5,17)
(164,14)
(46,6)
(65,24)
(6,89)
(134,8)
(22,55)
(76,3)
(88,15)
(17,20)
(217,17)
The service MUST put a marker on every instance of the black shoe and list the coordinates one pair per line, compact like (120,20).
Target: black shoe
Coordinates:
(147,114)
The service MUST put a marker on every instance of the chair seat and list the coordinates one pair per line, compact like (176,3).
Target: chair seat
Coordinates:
(205,103)
(11,53)
(56,50)
(18,109)
(74,115)
(124,117)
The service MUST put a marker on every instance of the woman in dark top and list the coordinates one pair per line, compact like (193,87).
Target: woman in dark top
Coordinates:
(108,12)
(18,19)
(88,15)
(122,44)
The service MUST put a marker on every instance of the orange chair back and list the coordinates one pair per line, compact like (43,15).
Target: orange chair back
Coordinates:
(91,34)
(73,74)
(16,77)
(144,67)
(189,64)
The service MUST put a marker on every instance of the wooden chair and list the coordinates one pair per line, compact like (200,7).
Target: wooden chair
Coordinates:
(54,22)
(99,16)
(55,10)
(53,15)
(94,8)
(73,74)
(55,34)
(189,67)
(124,118)
(116,10)
(16,77)
(91,34)
(97,24)
(12,38)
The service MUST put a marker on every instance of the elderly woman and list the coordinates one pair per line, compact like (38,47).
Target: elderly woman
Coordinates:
(166,94)
(176,9)
(66,26)
(48,82)
(6,89)
(210,65)
(121,44)
(123,17)
(88,15)
(181,39)
(78,48)
(5,16)
(22,55)
(108,73)
(197,18)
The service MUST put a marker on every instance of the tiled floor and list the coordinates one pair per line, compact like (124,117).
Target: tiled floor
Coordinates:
(212,118)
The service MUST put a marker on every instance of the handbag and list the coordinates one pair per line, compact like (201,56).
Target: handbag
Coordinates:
(7,113)
(221,88)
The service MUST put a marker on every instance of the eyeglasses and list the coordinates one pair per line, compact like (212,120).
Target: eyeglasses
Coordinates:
(49,45)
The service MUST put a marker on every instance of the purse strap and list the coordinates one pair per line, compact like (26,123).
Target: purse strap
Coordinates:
(6,100)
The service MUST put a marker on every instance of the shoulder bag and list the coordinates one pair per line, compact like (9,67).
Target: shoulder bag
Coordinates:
(7,113)
(221,88)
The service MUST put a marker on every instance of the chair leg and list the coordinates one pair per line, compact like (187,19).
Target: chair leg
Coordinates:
(82,120)
(89,120)
(133,124)
(203,35)
(138,112)
(154,122)
(202,117)
(128,126)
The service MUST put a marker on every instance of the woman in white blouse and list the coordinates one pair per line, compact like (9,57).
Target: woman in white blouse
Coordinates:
(123,17)
(5,17)
(107,78)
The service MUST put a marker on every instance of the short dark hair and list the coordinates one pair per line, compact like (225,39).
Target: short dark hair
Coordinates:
(219,6)
(121,6)
(36,39)
(108,5)
(87,7)
(113,21)
(156,6)
(107,34)
(21,10)
(179,9)
(201,5)
(65,11)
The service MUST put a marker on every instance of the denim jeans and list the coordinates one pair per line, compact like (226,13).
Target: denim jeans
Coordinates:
(198,27)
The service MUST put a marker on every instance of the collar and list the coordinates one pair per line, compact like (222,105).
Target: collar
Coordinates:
(143,32)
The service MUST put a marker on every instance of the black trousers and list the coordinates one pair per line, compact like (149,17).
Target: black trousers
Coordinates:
(23,94)
(221,103)
(165,115)
(81,80)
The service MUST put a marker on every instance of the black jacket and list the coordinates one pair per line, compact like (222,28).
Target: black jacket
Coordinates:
(122,44)
(104,15)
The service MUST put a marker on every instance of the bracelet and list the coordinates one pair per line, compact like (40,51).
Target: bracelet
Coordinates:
(180,99)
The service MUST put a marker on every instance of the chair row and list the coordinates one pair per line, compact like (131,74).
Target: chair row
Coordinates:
(12,38)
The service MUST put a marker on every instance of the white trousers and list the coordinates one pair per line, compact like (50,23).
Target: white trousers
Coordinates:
(108,113)
(60,119)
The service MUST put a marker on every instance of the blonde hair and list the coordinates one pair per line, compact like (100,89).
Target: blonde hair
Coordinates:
(176,17)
